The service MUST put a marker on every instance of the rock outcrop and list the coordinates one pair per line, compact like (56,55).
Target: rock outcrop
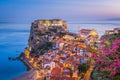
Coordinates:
(41,35)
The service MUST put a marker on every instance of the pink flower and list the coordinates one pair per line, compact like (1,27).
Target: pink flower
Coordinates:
(118,63)
(103,63)
(114,72)
(114,47)
(112,65)
(98,60)
(94,55)
(117,41)
(106,51)
(109,59)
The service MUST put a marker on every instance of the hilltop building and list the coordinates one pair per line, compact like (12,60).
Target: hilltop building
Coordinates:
(43,31)
(50,22)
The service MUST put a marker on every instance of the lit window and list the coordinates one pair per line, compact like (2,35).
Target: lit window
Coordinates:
(44,24)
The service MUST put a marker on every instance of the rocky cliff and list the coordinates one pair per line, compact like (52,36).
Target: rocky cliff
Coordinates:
(41,36)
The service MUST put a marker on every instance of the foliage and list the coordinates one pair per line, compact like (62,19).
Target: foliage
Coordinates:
(40,33)
(108,59)
(84,67)
(44,47)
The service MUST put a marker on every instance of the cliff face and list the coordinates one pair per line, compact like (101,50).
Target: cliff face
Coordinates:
(41,36)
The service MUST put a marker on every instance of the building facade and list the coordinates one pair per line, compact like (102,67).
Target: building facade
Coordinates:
(52,22)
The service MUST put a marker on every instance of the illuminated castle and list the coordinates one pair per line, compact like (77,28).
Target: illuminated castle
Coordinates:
(51,22)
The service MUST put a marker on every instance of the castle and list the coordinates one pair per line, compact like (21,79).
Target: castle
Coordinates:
(50,22)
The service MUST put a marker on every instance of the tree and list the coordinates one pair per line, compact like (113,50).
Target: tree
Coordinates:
(83,67)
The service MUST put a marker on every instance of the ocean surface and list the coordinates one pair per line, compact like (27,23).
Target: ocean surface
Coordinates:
(100,26)
(14,38)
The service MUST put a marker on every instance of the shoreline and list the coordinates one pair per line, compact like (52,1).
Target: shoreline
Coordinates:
(28,68)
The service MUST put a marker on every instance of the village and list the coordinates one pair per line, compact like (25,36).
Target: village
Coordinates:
(66,53)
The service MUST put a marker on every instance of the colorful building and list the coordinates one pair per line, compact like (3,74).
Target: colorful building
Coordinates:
(27,53)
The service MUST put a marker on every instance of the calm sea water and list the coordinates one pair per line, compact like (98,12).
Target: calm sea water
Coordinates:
(100,26)
(14,38)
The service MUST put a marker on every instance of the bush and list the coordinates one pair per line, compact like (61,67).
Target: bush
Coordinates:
(83,67)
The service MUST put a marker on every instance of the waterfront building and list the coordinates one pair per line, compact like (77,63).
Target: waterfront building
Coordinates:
(117,30)
(27,53)
(109,32)
(93,33)
(87,32)
(84,32)
(114,31)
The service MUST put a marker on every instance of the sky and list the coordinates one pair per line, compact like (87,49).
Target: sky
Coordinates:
(28,10)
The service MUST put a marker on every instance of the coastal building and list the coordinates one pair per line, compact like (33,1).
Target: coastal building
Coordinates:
(114,31)
(43,31)
(90,36)
(109,32)
(52,22)
(84,32)
(27,53)
(87,32)
(117,30)
(93,33)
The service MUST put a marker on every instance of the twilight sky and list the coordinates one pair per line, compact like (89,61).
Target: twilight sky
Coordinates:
(28,10)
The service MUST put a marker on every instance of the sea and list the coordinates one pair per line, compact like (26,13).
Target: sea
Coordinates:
(14,39)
